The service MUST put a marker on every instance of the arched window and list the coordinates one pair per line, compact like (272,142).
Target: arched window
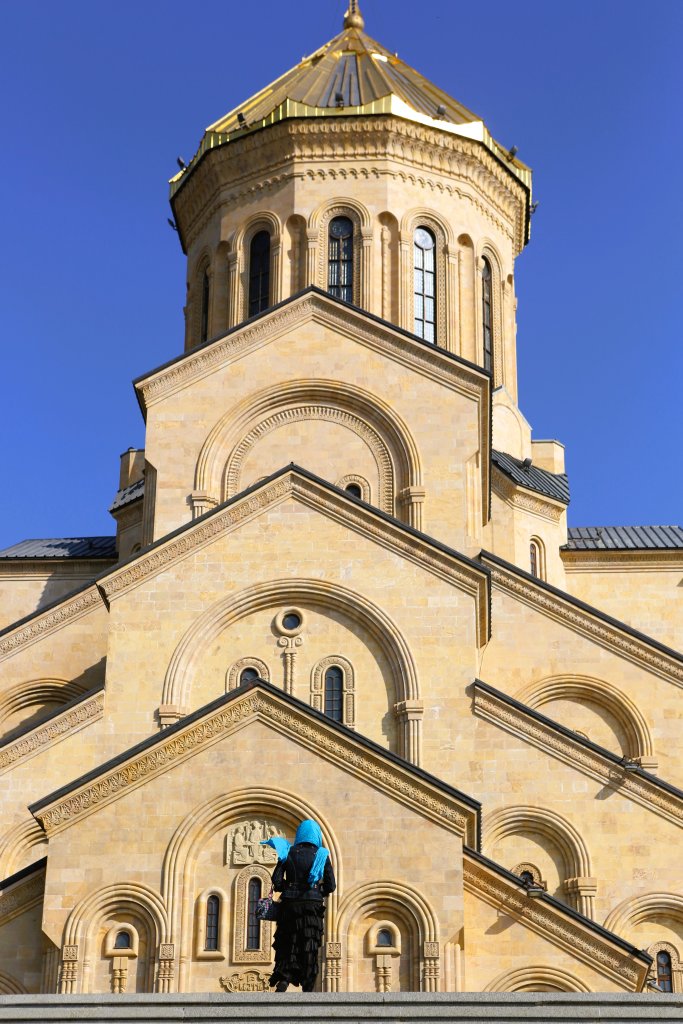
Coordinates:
(206,295)
(533,557)
(248,674)
(253,923)
(664,975)
(536,559)
(213,909)
(424,284)
(527,877)
(122,941)
(334,690)
(354,489)
(384,937)
(259,273)
(487,314)
(340,259)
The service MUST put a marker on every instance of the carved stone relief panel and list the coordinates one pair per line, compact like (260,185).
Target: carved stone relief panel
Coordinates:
(242,843)
(246,981)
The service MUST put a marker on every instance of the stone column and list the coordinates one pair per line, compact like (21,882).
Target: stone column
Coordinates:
(405,284)
(431,968)
(289,645)
(201,502)
(366,269)
(166,969)
(581,893)
(411,501)
(233,289)
(276,289)
(333,967)
(452,340)
(409,714)
(386,274)
(312,246)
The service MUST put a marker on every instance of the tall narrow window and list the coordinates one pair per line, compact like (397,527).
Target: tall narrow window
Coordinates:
(334,693)
(533,558)
(206,295)
(253,923)
(259,273)
(486,315)
(340,259)
(213,909)
(664,971)
(424,266)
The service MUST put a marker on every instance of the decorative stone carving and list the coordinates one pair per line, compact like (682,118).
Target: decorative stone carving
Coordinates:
(43,624)
(70,954)
(85,712)
(242,843)
(182,744)
(166,951)
(240,954)
(333,951)
(431,950)
(349,687)
(22,897)
(246,981)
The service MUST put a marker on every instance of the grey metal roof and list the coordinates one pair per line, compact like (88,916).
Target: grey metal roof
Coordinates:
(63,547)
(554,485)
(128,494)
(624,538)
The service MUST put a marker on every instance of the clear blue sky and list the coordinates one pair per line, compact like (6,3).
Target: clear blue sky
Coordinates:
(99,99)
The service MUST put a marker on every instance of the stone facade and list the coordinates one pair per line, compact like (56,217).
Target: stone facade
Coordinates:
(330,602)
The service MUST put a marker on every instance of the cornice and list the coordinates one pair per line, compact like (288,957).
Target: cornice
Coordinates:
(525,500)
(54,568)
(63,724)
(616,561)
(593,624)
(356,324)
(226,173)
(41,624)
(549,922)
(581,755)
(22,897)
(319,495)
(233,713)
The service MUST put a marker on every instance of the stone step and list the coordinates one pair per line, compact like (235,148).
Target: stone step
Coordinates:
(348,1008)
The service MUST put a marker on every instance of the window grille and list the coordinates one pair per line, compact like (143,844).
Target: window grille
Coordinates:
(424,284)
(213,905)
(664,976)
(259,273)
(253,923)
(334,690)
(486,313)
(340,259)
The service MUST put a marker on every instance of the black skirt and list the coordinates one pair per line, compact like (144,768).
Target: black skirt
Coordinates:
(298,935)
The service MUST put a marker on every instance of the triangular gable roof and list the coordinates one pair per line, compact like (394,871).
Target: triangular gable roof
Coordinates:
(258,699)
(358,324)
(430,554)
(586,619)
(601,949)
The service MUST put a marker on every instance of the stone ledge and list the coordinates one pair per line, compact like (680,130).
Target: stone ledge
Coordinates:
(352,1008)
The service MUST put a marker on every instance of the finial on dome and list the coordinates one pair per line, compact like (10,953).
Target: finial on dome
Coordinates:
(353,18)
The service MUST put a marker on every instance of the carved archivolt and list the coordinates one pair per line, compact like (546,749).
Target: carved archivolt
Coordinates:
(360,481)
(222,813)
(389,438)
(537,979)
(9,986)
(385,469)
(38,691)
(595,691)
(640,909)
(349,688)
(16,844)
(59,726)
(235,671)
(530,820)
(319,594)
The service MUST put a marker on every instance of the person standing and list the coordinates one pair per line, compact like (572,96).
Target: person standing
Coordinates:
(304,876)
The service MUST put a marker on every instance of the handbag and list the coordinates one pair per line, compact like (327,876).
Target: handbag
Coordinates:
(267,908)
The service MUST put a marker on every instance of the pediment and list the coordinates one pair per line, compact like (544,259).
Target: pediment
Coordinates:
(225,717)
(289,317)
(327,500)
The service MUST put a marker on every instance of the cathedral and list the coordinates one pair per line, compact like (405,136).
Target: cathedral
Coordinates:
(342,587)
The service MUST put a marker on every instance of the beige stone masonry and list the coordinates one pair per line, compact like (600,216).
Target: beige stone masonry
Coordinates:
(64,724)
(205,730)
(44,623)
(566,933)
